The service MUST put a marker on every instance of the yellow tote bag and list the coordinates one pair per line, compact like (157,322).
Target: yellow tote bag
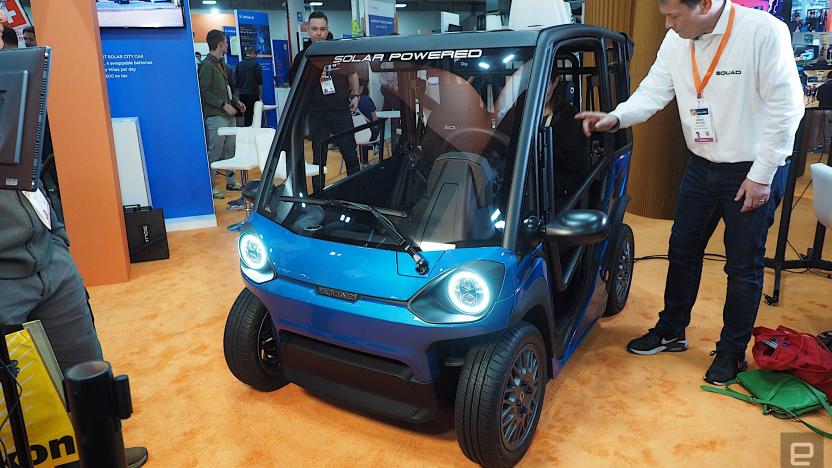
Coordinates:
(51,436)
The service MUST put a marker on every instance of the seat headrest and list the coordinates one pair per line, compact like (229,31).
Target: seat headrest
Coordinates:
(484,175)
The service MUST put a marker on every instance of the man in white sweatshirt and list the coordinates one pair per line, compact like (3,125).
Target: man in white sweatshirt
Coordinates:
(732,72)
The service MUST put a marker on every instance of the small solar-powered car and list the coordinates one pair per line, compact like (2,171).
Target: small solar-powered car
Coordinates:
(462,269)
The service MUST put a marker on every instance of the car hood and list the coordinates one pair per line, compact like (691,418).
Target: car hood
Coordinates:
(384,274)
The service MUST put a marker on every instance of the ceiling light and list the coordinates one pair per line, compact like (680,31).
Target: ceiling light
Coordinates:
(215,11)
(209,2)
(401,5)
(316,4)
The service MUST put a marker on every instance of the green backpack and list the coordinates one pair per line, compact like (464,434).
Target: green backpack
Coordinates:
(782,395)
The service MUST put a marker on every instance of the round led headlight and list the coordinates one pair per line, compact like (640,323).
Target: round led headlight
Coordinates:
(252,252)
(469,292)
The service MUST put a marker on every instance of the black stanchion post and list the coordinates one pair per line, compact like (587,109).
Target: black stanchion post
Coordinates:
(23,453)
(97,403)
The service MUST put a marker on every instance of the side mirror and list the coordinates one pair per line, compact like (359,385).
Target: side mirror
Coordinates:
(251,190)
(579,227)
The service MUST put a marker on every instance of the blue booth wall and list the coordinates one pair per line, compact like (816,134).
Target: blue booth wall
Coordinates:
(151,74)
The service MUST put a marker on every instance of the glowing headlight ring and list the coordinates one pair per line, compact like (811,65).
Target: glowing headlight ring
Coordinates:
(252,251)
(469,292)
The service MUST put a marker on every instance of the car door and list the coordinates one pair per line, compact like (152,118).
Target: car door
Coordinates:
(577,176)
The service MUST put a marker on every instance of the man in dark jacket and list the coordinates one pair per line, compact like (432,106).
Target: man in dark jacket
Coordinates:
(249,76)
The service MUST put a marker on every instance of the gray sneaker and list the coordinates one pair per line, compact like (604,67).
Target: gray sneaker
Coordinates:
(653,343)
(135,456)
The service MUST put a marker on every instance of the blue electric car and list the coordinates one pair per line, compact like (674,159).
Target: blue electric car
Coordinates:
(459,259)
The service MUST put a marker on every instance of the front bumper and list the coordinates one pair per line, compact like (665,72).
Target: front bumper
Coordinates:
(372,353)
(375,384)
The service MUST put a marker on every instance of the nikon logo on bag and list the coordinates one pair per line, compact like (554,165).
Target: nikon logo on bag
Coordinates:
(57,454)
(50,432)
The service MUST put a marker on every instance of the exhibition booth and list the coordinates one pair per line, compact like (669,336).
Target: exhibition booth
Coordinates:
(417,244)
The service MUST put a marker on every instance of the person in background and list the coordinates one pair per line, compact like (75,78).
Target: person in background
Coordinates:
(29,36)
(368,109)
(813,20)
(198,58)
(249,77)
(329,113)
(218,104)
(824,93)
(739,177)
(9,38)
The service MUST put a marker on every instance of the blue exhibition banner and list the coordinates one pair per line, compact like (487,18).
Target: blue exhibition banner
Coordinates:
(253,30)
(380,25)
(282,64)
(151,75)
(231,59)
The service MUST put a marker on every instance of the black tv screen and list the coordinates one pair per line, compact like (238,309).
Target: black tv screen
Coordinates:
(140,13)
(24,79)
(778,8)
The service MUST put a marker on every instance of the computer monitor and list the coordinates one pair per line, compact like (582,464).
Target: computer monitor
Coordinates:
(24,78)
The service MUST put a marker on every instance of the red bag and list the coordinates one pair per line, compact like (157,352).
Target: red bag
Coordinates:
(802,354)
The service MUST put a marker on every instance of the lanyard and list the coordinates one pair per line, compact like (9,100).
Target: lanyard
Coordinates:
(221,68)
(699,82)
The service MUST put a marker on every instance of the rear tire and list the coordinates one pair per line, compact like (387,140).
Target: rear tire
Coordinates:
(621,271)
(250,344)
(502,386)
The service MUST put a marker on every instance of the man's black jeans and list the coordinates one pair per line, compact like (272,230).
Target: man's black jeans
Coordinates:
(325,123)
(706,195)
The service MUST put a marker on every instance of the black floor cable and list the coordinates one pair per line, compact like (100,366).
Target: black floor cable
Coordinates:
(8,461)
(708,256)
(721,258)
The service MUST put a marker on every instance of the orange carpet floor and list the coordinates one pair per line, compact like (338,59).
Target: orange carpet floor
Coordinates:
(606,408)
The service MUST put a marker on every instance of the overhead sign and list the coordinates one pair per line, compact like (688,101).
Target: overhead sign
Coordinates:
(381,17)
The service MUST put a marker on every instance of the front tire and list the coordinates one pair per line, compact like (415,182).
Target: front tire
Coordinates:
(250,344)
(500,396)
(621,271)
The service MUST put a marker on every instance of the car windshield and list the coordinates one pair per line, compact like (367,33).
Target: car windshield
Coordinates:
(430,145)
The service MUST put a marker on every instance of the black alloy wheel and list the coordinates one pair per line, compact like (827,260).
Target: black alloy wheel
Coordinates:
(621,271)
(250,345)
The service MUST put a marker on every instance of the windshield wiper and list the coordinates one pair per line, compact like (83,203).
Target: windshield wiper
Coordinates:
(406,244)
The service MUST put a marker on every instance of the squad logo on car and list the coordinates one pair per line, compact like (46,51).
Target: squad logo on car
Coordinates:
(337,294)
(409,56)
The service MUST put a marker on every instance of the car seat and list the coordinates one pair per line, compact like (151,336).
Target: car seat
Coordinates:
(459,200)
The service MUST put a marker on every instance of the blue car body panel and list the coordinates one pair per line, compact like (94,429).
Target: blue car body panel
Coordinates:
(379,322)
